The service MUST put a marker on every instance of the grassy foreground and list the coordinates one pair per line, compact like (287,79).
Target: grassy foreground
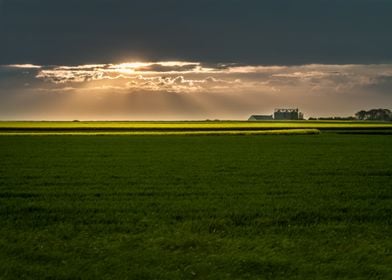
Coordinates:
(202,207)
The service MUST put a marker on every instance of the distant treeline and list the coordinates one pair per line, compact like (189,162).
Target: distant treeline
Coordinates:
(333,119)
(374,115)
(371,115)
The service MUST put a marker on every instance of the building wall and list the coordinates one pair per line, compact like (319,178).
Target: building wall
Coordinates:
(279,114)
(286,114)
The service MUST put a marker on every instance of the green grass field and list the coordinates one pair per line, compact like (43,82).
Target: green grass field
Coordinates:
(200,207)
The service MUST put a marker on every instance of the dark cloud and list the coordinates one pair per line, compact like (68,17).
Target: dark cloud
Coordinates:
(279,32)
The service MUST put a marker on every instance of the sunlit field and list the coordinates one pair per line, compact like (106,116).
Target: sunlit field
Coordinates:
(214,127)
(203,207)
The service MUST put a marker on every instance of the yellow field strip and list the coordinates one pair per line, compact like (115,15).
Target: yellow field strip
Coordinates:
(197,125)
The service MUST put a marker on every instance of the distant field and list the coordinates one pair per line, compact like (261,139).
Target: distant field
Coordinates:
(231,127)
(202,207)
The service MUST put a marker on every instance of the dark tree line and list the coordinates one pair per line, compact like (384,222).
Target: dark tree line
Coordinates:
(374,115)
(371,115)
(333,119)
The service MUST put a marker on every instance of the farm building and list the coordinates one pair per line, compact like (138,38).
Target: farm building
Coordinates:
(261,118)
(288,114)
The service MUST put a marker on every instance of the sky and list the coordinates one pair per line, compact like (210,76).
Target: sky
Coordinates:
(192,59)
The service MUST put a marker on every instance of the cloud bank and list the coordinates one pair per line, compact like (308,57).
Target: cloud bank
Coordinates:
(190,90)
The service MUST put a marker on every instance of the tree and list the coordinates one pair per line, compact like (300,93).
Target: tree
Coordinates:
(374,115)
(361,115)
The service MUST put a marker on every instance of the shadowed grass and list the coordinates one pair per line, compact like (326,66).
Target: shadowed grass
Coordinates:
(202,207)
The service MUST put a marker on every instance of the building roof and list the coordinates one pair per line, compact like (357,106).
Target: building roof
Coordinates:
(261,117)
(285,110)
